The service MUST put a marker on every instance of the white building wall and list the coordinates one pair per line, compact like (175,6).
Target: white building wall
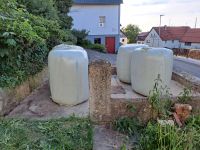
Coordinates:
(193,46)
(171,44)
(87,17)
(153,39)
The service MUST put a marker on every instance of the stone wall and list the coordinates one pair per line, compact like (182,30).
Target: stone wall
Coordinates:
(10,98)
(187,80)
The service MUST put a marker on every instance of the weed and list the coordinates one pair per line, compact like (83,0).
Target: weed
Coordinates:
(185,96)
(159,98)
(127,125)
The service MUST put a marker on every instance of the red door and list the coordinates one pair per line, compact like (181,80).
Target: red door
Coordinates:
(110,44)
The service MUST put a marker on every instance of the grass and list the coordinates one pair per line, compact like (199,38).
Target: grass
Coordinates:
(60,134)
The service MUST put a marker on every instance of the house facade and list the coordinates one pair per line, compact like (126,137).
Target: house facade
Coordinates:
(101,18)
(141,37)
(182,37)
(191,39)
(123,38)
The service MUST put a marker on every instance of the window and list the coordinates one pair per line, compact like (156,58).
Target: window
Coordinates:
(172,41)
(102,19)
(97,41)
(188,43)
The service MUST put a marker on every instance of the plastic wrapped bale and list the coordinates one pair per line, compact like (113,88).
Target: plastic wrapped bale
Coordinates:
(68,76)
(147,64)
(66,47)
(124,61)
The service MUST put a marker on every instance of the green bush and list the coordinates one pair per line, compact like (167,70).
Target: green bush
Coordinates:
(25,40)
(81,37)
(43,8)
(97,47)
(51,10)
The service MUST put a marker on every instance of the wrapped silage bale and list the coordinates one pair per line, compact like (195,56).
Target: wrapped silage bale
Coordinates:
(124,61)
(66,47)
(147,64)
(68,71)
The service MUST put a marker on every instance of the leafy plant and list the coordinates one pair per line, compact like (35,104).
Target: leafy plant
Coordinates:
(127,125)
(97,47)
(159,98)
(81,37)
(25,39)
(185,96)
(166,137)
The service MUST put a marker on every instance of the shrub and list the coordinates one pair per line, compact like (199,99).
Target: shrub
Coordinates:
(98,47)
(81,36)
(24,42)
(43,8)
(63,7)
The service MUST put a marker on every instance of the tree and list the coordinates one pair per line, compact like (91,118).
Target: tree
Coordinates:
(63,7)
(131,31)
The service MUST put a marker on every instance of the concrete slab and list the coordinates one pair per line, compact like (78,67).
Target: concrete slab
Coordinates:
(107,139)
(175,89)
(39,105)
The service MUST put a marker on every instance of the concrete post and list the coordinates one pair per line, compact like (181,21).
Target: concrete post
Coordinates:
(100,91)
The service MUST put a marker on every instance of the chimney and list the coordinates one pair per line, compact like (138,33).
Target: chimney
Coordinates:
(165,27)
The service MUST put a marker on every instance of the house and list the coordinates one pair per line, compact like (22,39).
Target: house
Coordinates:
(101,18)
(169,36)
(123,38)
(191,39)
(141,37)
(181,37)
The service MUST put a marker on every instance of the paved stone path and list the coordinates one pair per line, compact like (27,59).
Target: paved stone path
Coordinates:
(94,55)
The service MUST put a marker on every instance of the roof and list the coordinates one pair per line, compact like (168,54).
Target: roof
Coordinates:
(192,35)
(142,36)
(100,2)
(171,33)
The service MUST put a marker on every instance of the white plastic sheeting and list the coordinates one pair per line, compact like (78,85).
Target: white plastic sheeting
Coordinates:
(124,61)
(68,75)
(147,64)
(66,47)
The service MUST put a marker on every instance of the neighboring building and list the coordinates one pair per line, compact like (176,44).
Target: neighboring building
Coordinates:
(123,38)
(169,36)
(141,37)
(101,18)
(191,39)
(182,37)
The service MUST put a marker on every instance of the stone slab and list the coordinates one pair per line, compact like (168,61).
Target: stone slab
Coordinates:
(38,105)
(175,89)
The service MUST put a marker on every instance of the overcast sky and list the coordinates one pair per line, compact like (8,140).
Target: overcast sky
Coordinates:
(145,13)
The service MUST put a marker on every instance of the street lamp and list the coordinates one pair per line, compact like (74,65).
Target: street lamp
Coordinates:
(159,29)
